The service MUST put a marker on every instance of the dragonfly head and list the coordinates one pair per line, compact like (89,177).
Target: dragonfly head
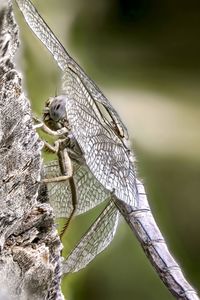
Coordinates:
(54,113)
(55,109)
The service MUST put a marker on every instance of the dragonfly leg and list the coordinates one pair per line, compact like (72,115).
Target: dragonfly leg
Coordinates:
(74,205)
(53,148)
(46,129)
(66,225)
(49,148)
(56,179)
(65,163)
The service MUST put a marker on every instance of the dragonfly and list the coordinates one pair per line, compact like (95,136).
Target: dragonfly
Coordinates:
(86,116)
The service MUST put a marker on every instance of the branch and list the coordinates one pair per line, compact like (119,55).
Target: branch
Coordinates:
(29,245)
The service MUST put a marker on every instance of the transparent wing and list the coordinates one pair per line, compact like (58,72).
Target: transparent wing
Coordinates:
(97,238)
(106,155)
(44,33)
(116,171)
(90,192)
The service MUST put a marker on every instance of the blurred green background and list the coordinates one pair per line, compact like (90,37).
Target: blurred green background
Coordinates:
(144,55)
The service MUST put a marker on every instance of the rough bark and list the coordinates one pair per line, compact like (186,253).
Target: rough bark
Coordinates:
(29,245)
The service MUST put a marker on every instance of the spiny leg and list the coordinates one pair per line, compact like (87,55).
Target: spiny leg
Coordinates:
(55,149)
(74,205)
(67,169)
(46,129)
(65,165)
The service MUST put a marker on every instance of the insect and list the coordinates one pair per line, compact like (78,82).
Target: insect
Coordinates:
(97,146)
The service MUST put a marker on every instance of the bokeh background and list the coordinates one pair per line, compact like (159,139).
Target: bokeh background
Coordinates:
(145,56)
